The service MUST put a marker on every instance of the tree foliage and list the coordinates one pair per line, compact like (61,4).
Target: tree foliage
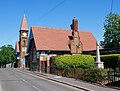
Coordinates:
(7,54)
(112,31)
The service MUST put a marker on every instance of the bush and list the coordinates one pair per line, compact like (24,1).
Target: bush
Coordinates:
(110,61)
(119,62)
(89,75)
(74,61)
(97,75)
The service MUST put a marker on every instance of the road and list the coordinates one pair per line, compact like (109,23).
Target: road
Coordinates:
(14,80)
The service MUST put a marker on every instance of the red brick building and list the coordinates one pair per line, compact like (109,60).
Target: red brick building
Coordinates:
(45,42)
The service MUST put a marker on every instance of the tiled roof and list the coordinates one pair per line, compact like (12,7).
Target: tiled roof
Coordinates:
(88,40)
(17,48)
(24,25)
(57,39)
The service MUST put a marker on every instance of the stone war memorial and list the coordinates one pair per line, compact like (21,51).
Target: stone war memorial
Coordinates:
(98,63)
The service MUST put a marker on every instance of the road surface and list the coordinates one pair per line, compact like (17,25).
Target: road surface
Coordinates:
(14,80)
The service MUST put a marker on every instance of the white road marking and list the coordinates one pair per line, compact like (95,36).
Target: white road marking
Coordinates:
(36,88)
(24,80)
(16,75)
(30,84)
(0,87)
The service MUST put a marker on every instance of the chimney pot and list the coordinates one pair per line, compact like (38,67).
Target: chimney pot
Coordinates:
(74,24)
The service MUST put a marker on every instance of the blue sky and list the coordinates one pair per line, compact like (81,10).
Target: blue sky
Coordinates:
(90,14)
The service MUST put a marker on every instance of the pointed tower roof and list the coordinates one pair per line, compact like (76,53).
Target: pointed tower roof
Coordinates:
(17,47)
(24,25)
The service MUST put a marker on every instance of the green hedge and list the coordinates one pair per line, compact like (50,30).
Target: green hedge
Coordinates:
(74,61)
(111,60)
(90,75)
(119,62)
(93,75)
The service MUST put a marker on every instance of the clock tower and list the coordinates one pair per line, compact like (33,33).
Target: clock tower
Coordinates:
(23,40)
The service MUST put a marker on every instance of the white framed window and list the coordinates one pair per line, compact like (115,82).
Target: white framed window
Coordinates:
(24,49)
(24,34)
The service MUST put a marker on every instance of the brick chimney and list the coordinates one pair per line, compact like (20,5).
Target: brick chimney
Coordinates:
(74,25)
(75,46)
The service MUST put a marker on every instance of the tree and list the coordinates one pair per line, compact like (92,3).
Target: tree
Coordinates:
(112,31)
(7,55)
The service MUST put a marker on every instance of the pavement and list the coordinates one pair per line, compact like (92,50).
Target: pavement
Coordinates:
(73,82)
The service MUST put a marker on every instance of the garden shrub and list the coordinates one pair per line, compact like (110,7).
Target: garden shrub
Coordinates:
(89,75)
(74,61)
(119,62)
(110,61)
(98,75)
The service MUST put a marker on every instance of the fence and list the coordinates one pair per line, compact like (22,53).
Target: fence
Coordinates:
(113,76)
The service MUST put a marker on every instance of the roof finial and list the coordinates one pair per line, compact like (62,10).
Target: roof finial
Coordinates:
(24,14)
